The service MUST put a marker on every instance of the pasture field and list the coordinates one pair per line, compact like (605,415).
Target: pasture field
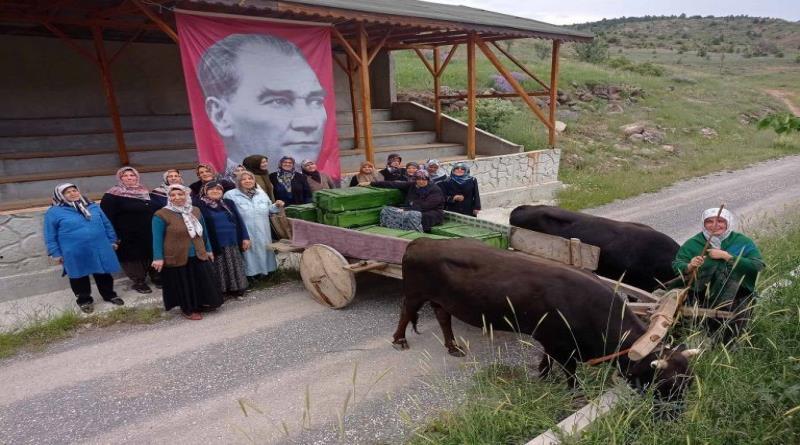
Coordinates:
(745,393)
(598,163)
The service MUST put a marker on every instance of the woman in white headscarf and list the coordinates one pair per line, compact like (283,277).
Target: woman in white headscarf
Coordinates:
(725,277)
(182,253)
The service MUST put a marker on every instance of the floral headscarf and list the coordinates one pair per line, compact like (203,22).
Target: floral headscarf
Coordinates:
(81,205)
(285,176)
(193,225)
(251,192)
(213,203)
(163,189)
(137,190)
(463,178)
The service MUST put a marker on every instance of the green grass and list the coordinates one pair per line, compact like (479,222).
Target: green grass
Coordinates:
(745,394)
(40,333)
(597,163)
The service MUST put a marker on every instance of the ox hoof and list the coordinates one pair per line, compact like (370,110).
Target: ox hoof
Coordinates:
(400,344)
(455,351)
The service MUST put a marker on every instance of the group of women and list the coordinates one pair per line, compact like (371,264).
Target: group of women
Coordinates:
(200,243)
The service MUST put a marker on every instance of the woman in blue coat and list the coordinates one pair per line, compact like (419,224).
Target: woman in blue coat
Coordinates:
(79,235)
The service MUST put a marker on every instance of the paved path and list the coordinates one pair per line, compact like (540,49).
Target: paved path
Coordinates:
(281,356)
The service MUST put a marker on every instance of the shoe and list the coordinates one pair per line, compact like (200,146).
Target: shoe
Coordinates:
(142,288)
(116,301)
(192,316)
(86,308)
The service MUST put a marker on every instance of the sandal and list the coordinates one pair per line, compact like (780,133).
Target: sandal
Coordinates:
(116,301)
(192,316)
(87,308)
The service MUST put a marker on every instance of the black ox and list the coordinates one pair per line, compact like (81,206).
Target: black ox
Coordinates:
(575,316)
(642,253)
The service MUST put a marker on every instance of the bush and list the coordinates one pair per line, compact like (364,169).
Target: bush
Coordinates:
(797,59)
(645,69)
(594,52)
(542,50)
(781,123)
(492,113)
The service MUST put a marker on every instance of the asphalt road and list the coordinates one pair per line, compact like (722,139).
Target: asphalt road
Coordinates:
(293,365)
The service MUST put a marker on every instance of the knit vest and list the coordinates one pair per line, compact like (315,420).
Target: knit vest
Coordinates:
(176,239)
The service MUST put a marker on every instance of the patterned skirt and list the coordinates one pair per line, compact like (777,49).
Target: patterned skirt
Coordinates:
(396,218)
(229,265)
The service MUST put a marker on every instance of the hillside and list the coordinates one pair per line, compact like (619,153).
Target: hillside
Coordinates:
(695,109)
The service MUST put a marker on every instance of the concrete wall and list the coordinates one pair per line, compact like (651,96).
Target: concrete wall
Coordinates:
(45,78)
(453,130)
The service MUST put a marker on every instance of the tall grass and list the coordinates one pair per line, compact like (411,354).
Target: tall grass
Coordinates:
(744,393)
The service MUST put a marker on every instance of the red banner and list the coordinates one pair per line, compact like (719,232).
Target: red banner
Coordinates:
(258,87)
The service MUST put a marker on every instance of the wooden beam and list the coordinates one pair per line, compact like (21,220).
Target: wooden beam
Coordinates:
(124,45)
(345,44)
(340,63)
(483,96)
(366,102)
(353,105)
(58,20)
(378,47)
(551,137)
(520,65)
(71,43)
(111,99)
(437,104)
(471,99)
(425,61)
(513,82)
(162,25)
(447,59)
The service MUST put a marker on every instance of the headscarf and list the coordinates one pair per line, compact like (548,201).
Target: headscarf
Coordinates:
(372,177)
(213,203)
(315,174)
(716,241)
(163,189)
(439,172)
(210,168)
(137,190)
(230,174)
(411,178)
(460,180)
(285,176)
(253,164)
(193,225)
(251,192)
(422,192)
(389,160)
(81,205)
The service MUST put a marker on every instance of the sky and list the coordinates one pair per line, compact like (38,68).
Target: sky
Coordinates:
(565,12)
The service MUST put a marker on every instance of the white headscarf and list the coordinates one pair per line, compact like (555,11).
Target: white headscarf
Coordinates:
(439,172)
(81,205)
(192,223)
(716,241)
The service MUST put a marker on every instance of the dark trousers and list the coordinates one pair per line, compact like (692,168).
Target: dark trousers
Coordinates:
(82,287)
(138,270)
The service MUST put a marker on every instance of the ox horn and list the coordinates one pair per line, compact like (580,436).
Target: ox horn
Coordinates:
(689,353)
(659,364)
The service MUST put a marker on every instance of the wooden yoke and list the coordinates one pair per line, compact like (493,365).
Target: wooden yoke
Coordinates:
(660,322)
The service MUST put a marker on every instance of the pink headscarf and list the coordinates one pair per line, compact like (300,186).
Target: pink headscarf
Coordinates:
(137,191)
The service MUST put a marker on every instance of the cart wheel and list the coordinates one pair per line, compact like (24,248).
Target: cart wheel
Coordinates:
(324,276)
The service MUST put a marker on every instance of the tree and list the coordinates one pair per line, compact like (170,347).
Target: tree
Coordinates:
(594,52)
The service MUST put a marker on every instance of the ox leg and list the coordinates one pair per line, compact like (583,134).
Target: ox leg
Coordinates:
(408,314)
(444,319)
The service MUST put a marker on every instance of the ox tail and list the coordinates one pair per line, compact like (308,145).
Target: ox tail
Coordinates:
(414,319)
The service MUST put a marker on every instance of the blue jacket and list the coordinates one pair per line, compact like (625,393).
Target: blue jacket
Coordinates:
(85,245)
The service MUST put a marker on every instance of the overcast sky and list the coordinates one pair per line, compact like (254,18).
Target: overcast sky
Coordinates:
(564,12)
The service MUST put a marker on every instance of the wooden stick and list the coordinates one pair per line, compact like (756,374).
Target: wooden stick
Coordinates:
(162,25)
(551,137)
(471,99)
(378,47)
(447,59)
(520,65)
(345,44)
(437,103)
(366,101)
(365,265)
(353,105)
(66,39)
(427,65)
(111,99)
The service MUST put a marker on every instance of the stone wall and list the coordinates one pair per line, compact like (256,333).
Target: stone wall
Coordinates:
(24,266)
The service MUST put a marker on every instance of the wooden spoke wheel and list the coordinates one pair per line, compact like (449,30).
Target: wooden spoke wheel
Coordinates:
(324,276)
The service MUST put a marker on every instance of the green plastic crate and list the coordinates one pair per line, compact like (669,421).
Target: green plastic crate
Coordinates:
(494,239)
(356,198)
(385,231)
(306,212)
(352,218)
(414,235)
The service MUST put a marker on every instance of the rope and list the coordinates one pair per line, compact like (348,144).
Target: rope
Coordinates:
(605,358)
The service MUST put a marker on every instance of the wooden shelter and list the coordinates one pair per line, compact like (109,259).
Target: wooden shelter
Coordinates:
(361,30)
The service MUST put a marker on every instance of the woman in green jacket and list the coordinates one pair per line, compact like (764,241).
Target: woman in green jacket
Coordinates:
(725,278)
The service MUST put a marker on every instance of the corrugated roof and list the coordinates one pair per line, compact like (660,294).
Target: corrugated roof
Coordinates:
(424,10)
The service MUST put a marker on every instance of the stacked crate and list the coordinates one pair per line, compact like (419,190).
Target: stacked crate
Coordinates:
(307,212)
(353,206)
(455,229)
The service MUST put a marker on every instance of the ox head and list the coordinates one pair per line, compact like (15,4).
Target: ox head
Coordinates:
(667,371)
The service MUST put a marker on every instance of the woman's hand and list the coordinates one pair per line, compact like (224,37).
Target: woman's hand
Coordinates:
(157,265)
(58,260)
(211,256)
(475,212)
(280,203)
(245,245)
(114,246)
(363,184)
(719,254)
(458,198)
(695,263)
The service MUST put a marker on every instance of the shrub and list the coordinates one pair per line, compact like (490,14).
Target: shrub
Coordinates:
(781,123)
(645,69)
(492,113)
(594,52)
(500,83)
(542,50)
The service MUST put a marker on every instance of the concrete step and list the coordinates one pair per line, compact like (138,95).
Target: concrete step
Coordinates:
(97,160)
(393,139)
(18,144)
(38,187)
(350,160)
(378,114)
(378,127)
(88,125)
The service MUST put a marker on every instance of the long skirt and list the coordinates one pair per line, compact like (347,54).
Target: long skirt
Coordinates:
(229,265)
(397,218)
(192,287)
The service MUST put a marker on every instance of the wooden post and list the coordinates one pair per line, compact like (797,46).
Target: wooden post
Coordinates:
(437,104)
(111,99)
(551,139)
(162,25)
(471,113)
(366,105)
(353,104)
